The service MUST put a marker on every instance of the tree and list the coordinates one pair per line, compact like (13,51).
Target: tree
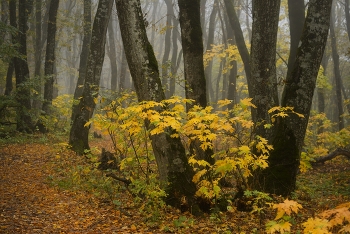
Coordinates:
(82,112)
(85,50)
(288,133)
(174,170)
(24,121)
(50,57)
(337,75)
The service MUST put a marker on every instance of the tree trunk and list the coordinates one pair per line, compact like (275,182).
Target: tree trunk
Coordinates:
(337,76)
(37,56)
(167,46)
(24,121)
(82,112)
(210,41)
(192,45)
(263,62)
(296,14)
(280,176)
(112,56)
(174,57)
(174,170)
(50,56)
(9,75)
(84,51)
(239,38)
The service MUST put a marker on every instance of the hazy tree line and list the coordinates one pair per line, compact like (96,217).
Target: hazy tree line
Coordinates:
(157,48)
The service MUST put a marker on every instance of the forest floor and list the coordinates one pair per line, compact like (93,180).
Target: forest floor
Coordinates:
(42,190)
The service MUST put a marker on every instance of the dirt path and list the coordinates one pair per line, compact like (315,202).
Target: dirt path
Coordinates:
(28,204)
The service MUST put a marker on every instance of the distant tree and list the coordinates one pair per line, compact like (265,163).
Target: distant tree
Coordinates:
(82,112)
(336,69)
(112,54)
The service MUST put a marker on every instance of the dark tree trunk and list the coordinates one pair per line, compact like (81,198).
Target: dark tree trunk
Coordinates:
(9,75)
(296,14)
(210,41)
(112,56)
(232,76)
(239,38)
(337,76)
(280,176)
(37,55)
(192,45)
(173,167)
(263,62)
(84,51)
(50,56)
(82,112)
(24,121)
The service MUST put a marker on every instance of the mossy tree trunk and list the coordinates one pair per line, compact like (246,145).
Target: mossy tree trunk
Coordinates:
(289,133)
(81,113)
(173,167)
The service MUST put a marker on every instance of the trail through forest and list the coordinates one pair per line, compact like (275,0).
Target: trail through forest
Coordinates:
(30,203)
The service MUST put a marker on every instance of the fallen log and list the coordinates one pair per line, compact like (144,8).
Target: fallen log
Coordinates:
(335,153)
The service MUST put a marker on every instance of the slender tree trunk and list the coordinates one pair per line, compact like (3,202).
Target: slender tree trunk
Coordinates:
(84,51)
(174,57)
(210,41)
(296,14)
(9,75)
(239,38)
(82,112)
(280,176)
(167,46)
(124,67)
(337,76)
(112,56)
(37,55)
(50,56)
(24,121)
(173,167)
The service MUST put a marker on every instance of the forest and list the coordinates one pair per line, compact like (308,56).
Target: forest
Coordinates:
(174,116)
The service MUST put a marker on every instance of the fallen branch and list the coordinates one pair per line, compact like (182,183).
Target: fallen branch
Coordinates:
(114,176)
(335,153)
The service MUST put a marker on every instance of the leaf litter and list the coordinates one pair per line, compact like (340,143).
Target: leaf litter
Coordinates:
(30,203)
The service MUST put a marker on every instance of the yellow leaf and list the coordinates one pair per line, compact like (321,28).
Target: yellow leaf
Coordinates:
(287,207)
(317,225)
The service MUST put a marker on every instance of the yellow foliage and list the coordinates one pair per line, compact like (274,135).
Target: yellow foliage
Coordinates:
(317,225)
(287,207)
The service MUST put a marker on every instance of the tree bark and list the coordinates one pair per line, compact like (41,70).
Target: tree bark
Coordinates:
(112,56)
(78,138)
(296,14)
(337,76)
(263,62)
(284,159)
(84,51)
(50,56)
(195,82)
(24,121)
(174,170)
